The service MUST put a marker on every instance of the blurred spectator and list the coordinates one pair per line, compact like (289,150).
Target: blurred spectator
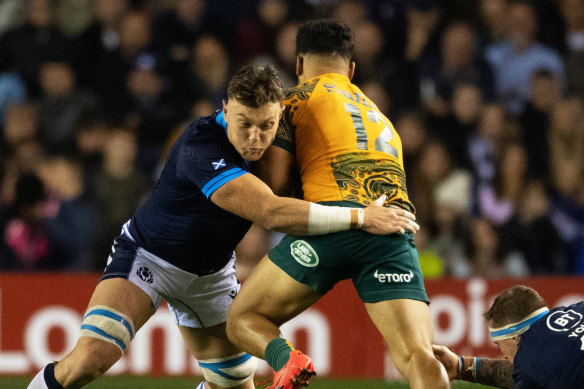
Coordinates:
(459,124)
(25,243)
(401,78)
(452,198)
(516,58)
(90,137)
(71,218)
(284,56)
(433,167)
(459,61)
(567,211)
(11,12)
(486,256)
(493,18)
(573,13)
(567,134)
(369,55)
(209,70)
(75,16)
(499,200)
(24,157)
(20,124)
(485,143)
(101,39)
(154,107)
(535,120)
(12,90)
(61,105)
(537,237)
(412,130)
(176,30)
(38,40)
(119,186)
(431,263)
(257,36)
(110,80)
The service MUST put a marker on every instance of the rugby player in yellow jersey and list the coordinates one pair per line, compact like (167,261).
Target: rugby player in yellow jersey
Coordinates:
(348,154)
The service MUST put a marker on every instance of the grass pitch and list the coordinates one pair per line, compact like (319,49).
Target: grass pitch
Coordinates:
(136,382)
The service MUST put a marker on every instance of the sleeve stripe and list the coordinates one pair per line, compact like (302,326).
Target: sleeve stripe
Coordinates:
(216,182)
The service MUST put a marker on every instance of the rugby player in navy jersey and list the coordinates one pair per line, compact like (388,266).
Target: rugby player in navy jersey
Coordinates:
(179,244)
(543,349)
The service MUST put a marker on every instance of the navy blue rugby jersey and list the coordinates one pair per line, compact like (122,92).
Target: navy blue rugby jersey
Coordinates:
(178,222)
(551,353)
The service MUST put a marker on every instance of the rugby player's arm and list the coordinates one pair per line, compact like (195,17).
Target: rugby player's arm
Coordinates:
(250,198)
(492,372)
(276,168)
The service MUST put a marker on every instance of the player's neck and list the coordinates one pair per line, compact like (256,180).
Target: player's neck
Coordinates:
(314,66)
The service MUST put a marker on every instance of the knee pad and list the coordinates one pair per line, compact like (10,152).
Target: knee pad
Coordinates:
(107,324)
(229,371)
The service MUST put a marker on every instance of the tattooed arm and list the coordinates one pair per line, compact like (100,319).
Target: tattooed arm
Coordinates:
(493,372)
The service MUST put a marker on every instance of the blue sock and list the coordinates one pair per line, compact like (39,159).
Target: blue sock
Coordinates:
(277,353)
(50,379)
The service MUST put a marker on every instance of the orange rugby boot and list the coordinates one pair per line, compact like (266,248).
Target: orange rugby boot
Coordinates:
(295,373)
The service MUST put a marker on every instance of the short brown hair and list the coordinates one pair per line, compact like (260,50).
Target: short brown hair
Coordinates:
(513,305)
(255,85)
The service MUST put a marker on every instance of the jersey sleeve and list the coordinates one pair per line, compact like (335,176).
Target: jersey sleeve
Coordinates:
(208,164)
(294,106)
(285,133)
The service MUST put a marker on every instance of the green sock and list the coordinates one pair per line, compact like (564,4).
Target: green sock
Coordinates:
(278,352)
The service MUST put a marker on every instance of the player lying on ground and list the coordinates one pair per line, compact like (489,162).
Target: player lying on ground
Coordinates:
(542,348)
(179,244)
(348,153)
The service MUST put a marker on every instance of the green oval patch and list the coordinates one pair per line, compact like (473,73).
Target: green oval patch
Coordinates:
(303,253)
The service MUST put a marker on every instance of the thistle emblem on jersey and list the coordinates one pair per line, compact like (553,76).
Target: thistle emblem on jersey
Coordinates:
(218,164)
(145,274)
(303,253)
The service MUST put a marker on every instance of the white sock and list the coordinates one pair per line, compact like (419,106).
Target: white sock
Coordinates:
(38,382)
(201,385)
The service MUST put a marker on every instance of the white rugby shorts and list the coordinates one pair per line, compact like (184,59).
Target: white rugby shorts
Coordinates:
(194,301)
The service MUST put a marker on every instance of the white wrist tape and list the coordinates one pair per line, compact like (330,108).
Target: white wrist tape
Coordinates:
(324,219)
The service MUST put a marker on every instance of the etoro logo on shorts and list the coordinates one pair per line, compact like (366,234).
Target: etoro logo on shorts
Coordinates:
(303,253)
(393,277)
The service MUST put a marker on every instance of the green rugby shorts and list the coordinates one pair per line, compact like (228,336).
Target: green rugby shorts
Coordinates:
(382,267)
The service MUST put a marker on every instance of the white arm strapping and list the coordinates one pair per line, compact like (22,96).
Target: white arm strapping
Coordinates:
(324,219)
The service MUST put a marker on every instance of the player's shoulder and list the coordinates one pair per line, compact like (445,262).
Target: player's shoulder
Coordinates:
(206,129)
(302,91)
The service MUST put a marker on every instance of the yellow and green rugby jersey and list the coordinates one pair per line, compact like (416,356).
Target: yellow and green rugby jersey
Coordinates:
(346,149)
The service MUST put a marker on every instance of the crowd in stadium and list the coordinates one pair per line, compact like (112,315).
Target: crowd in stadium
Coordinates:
(487,97)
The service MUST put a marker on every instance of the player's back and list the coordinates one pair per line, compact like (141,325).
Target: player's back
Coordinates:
(551,353)
(346,149)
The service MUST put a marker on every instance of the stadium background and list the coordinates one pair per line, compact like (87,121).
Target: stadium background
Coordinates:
(92,92)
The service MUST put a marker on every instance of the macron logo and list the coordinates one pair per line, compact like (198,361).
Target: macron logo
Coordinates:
(393,277)
(218,164)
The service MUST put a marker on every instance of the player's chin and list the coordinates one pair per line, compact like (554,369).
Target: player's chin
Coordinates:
(253,155)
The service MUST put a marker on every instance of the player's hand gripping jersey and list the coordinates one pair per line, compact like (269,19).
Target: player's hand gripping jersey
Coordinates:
(346,149)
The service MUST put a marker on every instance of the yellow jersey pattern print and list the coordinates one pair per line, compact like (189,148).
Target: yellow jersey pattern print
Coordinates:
(346,149)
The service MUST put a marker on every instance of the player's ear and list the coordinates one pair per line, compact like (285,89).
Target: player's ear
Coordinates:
(517,339)
(224,106)
(299,65)
(351,70)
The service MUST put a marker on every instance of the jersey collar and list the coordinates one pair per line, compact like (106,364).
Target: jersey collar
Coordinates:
(220,119)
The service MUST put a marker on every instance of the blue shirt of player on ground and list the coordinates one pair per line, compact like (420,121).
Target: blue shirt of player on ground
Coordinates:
(543,349)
